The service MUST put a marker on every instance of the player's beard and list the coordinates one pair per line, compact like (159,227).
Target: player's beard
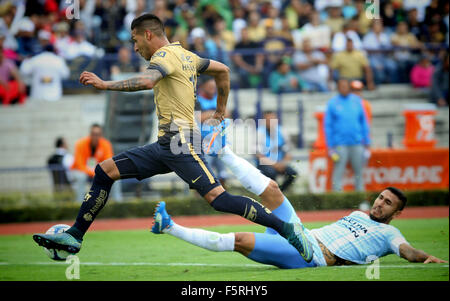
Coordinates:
(382,219)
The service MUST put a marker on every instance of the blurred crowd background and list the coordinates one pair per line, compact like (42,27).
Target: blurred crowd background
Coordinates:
(284,45)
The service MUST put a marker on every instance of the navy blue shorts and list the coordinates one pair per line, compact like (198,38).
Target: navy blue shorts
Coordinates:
(154,159)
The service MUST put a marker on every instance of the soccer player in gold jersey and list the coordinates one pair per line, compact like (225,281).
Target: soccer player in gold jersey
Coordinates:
(172,74)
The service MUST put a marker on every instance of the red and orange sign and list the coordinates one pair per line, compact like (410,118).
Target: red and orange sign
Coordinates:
(410,169)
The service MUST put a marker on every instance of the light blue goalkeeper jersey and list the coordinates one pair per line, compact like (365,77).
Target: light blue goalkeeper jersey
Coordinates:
(357,238)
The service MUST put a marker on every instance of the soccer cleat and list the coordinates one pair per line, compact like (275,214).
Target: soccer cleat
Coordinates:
(60,241)
(296,237)
(162,219)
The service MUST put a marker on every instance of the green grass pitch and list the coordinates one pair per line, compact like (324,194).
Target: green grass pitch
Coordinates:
(141,255)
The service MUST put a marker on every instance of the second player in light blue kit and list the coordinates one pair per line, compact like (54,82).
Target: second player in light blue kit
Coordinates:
(354,239)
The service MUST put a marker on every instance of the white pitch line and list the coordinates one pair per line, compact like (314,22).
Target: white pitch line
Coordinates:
(420,266)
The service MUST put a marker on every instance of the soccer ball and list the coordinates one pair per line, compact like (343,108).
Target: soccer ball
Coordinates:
(53,253)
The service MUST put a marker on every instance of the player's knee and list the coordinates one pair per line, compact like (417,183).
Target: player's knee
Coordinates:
(272,197)
(101,175)
(109,168)
(244,243)
(273,187)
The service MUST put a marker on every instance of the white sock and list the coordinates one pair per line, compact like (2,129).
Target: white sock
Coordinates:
(248,175)
(204,239)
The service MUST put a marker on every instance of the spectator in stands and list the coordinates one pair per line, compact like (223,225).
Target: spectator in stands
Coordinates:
(239,23)
(347,135)
(389,17)
(284,80)
(439,86)
(436,31)
(312,67)
(139,10)
(216,44)
(207,103)
(349,31)
(197,40)
(422,73)
(89,151)
(46,72)
(256,32)
(352,64)
(44,38)
(7,29)
(318,33)
(249,66)
(80,46)
(415,27)
(335,21)
(273,154)
(436,7)
(59,164)
(112,14)
(285,31)
(363,23)
(12,88)
(378,42)
(298,13)
(62,38)
(407,42)
(227,36)
(27,43)
(420,6)
(124,63)
(273,44)
(349,10)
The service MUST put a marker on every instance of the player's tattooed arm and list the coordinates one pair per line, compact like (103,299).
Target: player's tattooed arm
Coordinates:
(221,74)
(329,257)
(414,255)
(146,81)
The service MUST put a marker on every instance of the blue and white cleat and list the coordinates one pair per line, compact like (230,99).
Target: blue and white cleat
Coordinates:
(162,219)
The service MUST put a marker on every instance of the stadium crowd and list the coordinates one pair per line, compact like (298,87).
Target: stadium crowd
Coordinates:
(285,45)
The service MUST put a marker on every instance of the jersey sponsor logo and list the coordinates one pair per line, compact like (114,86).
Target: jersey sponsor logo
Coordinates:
(353,225)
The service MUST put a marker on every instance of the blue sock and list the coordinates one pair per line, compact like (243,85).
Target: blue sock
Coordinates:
(93,202)
(285,212)
(249,209)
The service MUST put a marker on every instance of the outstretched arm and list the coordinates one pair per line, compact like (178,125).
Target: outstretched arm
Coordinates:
(145,81)
(413,255)
(221,74)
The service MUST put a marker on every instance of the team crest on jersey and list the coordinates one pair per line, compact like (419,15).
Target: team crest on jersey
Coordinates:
(161,53)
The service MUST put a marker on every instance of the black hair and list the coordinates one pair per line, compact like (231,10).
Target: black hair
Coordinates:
(150,22)
(268,112)
(49,48)
(96,125)
(204,79)
(400,195)
(59,142)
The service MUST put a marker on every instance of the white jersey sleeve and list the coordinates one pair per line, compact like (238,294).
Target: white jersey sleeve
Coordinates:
(395,239)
